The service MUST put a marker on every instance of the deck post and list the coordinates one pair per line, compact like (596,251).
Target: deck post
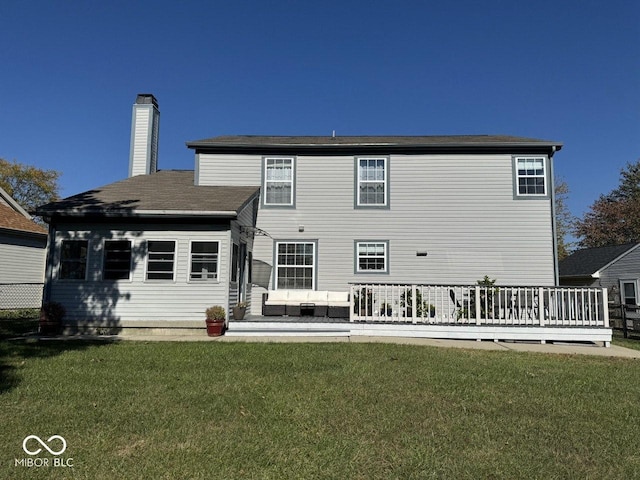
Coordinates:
(351,303)
(414,304)
(605,308)
(541,306)
(478,306)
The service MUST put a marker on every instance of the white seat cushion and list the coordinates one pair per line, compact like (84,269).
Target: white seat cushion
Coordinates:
(296,297)
(318,297)
(277,297)
(338,299)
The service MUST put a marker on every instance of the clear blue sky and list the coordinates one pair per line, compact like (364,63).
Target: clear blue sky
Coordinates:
(556,70)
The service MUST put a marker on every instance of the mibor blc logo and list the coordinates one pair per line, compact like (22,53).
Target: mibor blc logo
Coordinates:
(25,445)
(33,445)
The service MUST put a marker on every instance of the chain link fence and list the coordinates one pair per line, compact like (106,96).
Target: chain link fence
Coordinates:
(20,295)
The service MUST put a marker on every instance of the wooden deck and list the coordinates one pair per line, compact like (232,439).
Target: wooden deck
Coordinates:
(470,312)
(325,327)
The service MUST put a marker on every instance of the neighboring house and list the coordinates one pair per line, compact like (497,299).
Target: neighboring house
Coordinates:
(310,212)
(23,248)
(615,267)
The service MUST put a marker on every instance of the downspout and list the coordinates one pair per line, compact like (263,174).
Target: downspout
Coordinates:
(48,274)
(554,228)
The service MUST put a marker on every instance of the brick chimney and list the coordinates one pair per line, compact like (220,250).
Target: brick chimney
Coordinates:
(145,122)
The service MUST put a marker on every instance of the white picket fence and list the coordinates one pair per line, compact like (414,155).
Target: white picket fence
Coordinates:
(479,305)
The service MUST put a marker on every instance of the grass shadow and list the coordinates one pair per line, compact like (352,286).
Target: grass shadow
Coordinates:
(19,341)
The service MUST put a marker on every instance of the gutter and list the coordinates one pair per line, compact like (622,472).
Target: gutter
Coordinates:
(76,213)
(367,148)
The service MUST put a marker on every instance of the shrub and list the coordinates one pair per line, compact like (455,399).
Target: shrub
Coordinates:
(216,313)
(52,312)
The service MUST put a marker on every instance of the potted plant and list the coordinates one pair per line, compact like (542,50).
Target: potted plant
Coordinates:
(51,315)
(423,308)
(216,316)
(239,310)
(386,310)
(363,302)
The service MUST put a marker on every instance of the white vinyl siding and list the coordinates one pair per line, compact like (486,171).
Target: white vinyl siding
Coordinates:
(73,259)
(459,209)
(22,258)
(115,303)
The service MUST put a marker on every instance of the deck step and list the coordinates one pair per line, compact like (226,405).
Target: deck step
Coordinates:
(243,328)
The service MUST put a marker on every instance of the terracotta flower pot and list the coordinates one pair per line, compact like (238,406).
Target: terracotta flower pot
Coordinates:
(215,328)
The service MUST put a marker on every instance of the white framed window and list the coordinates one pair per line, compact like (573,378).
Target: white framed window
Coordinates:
(117,260)
(73,259)
(372,256)
(204,261)
(372,182)
(160,259)
(629,292)
(279,175)
(295,265)
(531,176)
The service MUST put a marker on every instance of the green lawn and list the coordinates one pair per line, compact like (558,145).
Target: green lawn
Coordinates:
(305,411)
(632,341)
(14,323)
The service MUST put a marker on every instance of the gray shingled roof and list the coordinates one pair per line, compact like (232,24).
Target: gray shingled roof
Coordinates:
(366,143)
(162,193)
(370,140)
(586,262)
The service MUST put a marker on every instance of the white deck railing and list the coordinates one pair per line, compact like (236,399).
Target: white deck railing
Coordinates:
(479,305)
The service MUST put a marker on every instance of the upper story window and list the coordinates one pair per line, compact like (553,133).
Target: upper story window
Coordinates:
(160,259)
(279,178)
(531,176)
(73,259)
(204,260)
(117,260)
(372,187)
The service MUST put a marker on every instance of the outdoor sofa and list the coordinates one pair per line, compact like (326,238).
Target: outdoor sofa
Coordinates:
(296,303)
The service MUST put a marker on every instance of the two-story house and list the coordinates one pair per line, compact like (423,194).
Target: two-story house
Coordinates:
(313,213)
(428,209)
